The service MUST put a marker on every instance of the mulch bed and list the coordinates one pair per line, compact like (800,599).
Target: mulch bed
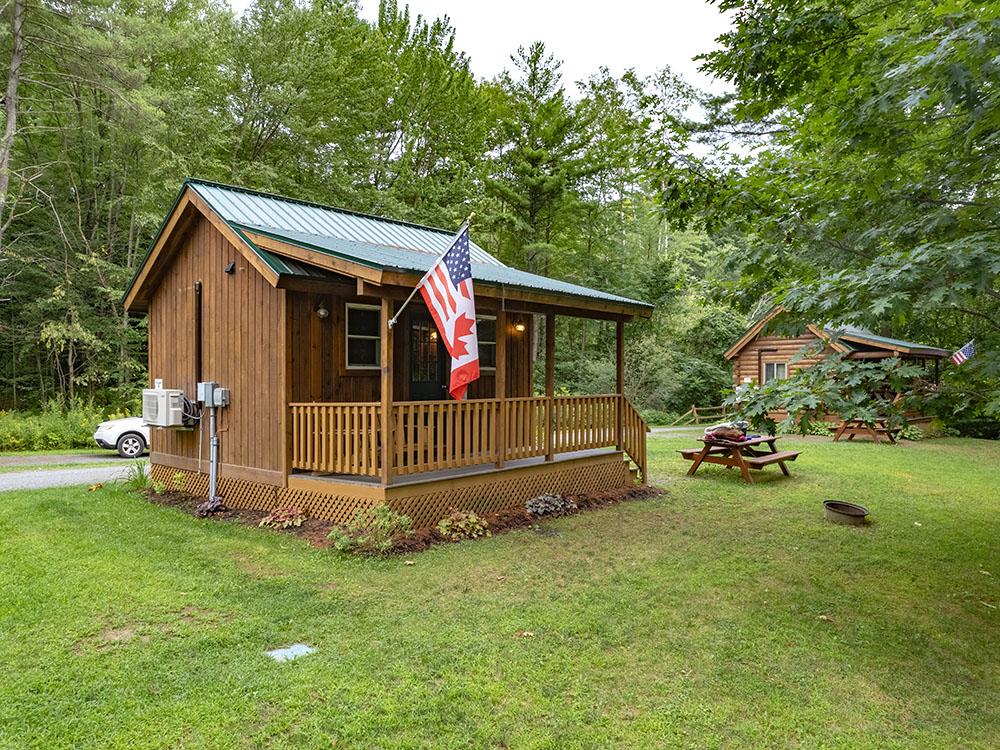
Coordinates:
(315,530)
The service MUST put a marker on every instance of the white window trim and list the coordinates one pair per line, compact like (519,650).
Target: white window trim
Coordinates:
(763,373)
(348,306)
(494,342)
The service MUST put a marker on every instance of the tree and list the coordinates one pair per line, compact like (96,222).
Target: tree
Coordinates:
(540,143)
(866,173)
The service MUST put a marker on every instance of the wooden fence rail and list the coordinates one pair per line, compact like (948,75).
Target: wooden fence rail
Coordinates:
(698,414)
(344,438)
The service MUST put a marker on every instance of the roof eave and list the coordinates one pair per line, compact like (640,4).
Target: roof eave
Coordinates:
(378,273)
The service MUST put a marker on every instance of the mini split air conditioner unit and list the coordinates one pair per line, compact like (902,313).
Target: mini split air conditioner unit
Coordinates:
(163,407)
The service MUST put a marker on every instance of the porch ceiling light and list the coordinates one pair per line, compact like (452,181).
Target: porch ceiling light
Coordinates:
(321,311)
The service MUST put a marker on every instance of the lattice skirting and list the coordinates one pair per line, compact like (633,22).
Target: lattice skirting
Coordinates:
(426,503)
(500,490)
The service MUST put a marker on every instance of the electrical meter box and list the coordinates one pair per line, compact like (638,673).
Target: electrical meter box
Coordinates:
(163,407)
(211,395)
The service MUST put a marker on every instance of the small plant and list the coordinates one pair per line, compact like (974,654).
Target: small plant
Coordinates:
(283,518)
(159,488)
(463,524)
(177,480)
(911,432)
(136,479)
(550,505)
(371,532)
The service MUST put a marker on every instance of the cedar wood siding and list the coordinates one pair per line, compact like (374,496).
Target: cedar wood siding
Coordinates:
(242,342)
(318,368)
(747,364)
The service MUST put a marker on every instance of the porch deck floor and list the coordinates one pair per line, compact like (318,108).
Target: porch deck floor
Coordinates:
(461,471)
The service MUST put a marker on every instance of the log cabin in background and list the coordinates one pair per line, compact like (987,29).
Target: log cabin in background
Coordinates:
(287,303)
(758,356)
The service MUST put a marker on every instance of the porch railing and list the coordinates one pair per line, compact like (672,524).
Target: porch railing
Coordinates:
(336,438)
(345,438)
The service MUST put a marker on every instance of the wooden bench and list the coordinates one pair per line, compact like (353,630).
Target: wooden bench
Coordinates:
(759,462)
(690,453)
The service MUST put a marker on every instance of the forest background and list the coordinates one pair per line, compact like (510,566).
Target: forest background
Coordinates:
(878,208)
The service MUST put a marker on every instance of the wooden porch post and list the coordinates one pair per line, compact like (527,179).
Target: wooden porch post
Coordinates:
(387,422)
(620,384)
(550,382)
(501,387)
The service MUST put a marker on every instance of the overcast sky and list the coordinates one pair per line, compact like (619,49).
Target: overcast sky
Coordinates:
(584,34)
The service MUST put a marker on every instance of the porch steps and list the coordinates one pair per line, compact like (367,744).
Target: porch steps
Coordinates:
(633,470)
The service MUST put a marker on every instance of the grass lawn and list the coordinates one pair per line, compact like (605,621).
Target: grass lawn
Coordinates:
(720,615)
(94,450)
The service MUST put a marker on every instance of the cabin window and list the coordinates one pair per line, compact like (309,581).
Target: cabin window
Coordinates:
(775,371)
(486,331)
(363,340)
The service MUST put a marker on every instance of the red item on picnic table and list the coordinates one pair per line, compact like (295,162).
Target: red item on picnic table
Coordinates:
(726,433)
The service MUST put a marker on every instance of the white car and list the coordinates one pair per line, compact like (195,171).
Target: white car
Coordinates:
(128,436)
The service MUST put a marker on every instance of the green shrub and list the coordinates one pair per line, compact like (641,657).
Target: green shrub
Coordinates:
(371,532)
(658,417)
(817,427)
(911,432)
(463,524)
(53,428)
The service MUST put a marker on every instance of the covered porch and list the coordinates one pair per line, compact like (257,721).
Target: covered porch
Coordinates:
(381,416)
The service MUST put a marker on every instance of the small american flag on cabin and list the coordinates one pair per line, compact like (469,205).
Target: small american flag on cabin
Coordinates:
(964,353)
(447,290)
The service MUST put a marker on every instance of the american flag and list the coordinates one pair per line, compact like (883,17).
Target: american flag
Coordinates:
(964,353)
(447,290)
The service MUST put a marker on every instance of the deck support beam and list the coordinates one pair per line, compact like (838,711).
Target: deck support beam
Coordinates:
(550,382)
(620,384)
(501,387)
(387,381)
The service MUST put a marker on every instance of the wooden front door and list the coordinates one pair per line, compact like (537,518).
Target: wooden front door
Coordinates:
(428,361)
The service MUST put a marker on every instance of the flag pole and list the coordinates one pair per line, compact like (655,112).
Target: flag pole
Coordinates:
(465,225)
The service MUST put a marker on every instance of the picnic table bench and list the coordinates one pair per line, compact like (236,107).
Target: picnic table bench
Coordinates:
(880,426)
(744,455)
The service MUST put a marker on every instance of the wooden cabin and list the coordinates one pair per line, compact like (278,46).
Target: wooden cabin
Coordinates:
(287,304)
(759,357)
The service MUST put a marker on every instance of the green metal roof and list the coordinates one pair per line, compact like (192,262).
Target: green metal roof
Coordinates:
(376,242)
(881,342)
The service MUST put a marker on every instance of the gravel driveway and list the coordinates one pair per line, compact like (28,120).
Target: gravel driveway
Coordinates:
(36,459)
(41,478)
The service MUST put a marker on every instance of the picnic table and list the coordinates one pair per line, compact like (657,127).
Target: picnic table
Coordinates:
(755,453)
(880,426)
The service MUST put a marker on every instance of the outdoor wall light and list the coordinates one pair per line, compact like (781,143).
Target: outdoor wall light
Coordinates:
(434,335)
(520,327)
(321,311)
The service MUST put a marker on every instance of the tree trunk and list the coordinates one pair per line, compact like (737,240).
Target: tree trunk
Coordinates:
(10,108)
